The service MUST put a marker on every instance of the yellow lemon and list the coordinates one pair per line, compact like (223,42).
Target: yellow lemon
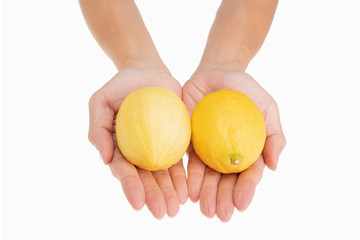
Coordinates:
(228,131)
(153,128)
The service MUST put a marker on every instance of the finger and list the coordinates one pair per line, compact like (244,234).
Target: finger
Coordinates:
(153,196)
(129,178)
(273,147)
(224,202)
(100,126)
(193,92)
(163,179)
(244,189)
(196,171)
(208,192)
(178,176)
(275,140)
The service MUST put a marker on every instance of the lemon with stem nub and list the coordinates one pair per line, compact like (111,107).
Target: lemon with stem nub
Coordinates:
(228,131)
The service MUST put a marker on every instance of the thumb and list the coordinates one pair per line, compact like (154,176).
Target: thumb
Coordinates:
(275,140)
(101,126)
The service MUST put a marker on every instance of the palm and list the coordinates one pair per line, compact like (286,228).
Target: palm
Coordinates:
(162,191)
(219,193)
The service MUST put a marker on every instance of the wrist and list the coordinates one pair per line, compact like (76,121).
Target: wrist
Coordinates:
(224,57)
(141,62)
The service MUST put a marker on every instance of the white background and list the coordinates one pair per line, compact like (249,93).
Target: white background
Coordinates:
(56,187)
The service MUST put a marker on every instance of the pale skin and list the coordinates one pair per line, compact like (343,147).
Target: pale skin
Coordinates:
(237,34)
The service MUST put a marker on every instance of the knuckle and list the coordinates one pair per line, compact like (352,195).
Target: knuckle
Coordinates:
(223,191)
(168,189)
(177,165)
(211,172)
(116,174)
(249,183)
(161,173)
(178,180)
(125,180)
(195,176)
(208,189)
(152,188)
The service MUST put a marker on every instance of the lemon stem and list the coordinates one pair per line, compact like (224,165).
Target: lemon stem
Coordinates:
(235,159)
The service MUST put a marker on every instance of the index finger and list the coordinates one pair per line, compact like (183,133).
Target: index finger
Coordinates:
(275,139)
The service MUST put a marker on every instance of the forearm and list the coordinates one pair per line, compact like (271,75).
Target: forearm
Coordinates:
(120,31)
(239,29)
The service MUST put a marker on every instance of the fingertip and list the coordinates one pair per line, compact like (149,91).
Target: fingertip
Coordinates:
(172,204)
(207,208)
(207,202)
(104,143)
(272,150)
(157,208)
(135,196)
(159,212)
(194,192)
(108,152)
(242,199)
(272,165)
(134,191)
(138,204)
(173,210)
(104,157)
(224,213)
(183,193)
(107,160)
(194,185)
(183,196)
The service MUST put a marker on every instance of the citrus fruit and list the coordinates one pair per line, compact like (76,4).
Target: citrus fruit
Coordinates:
(153,128)
(228,131)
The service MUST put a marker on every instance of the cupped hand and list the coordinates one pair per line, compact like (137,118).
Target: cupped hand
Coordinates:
(220,193)
(161,191)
